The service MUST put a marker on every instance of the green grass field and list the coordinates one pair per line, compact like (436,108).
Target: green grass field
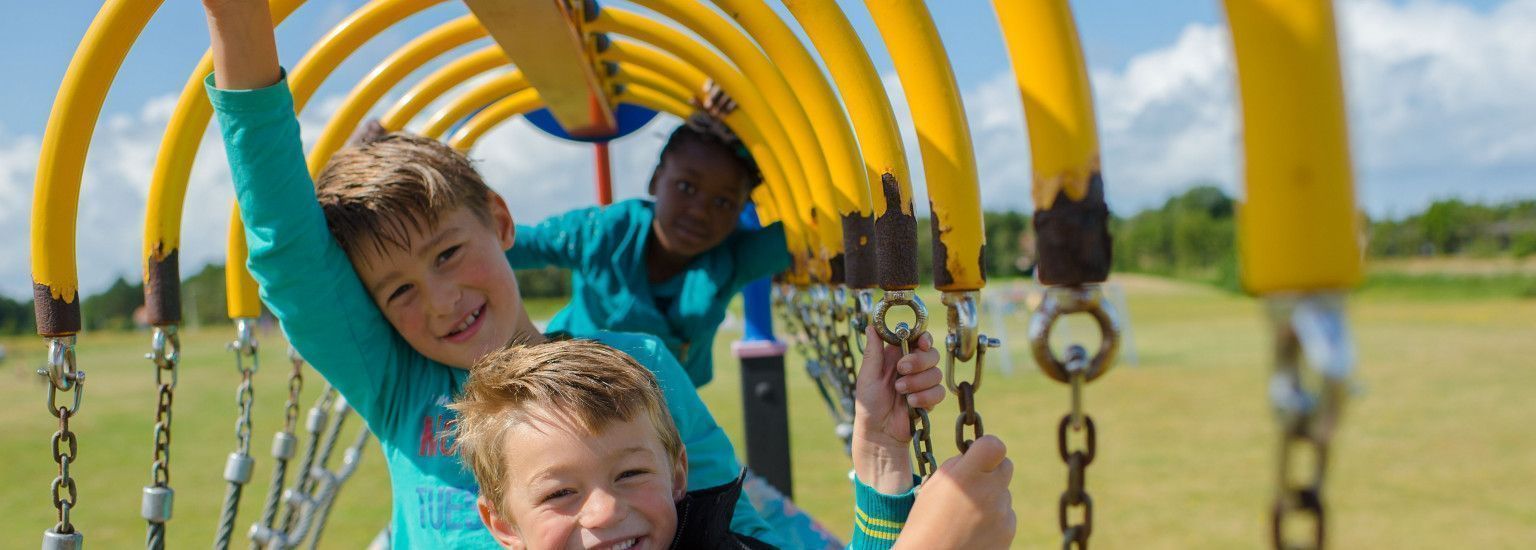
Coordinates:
(1436,450)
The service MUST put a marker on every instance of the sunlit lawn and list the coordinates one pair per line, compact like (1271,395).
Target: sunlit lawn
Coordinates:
(1436,451)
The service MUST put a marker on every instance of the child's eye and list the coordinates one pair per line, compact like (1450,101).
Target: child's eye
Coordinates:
(685,187)
(400,291)
(725,204)
(448,254)
(632,473)
(556,494)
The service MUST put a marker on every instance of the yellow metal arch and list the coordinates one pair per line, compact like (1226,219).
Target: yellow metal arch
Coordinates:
(720,33)
(168,185)
(56,196)
(770,194)
(386,75)
(514,104)
(944,137)
(833,132)
(885,158)
(1297,227)
(434,85)
(484,94)
(742,90)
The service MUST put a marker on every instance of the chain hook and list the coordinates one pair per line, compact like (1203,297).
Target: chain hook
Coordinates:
(963,326)
(245,343)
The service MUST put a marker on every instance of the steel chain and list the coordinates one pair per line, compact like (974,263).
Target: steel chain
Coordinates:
(314,425)
(63,376)
(964,343)
(1312,332)
(917,418)
(282,448)
(1075,535)
(237,468)
(156,505)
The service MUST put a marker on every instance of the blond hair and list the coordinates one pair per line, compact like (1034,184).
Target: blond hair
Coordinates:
(375,192)
(586,381)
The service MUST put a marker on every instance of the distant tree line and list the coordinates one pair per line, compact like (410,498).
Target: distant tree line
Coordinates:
(1191,235)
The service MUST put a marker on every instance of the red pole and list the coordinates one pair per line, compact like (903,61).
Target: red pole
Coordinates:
(604,174)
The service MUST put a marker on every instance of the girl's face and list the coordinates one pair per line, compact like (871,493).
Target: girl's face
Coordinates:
(700,190)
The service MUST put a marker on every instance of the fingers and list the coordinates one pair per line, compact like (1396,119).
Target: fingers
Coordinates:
(923,380)
(919,360)
(926,399)
(986,455)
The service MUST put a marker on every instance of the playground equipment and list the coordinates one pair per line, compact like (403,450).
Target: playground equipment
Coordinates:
(835,175)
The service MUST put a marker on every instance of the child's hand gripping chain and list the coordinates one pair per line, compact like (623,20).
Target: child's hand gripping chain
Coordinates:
(966,502)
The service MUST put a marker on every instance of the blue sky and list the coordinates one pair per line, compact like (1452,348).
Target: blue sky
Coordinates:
(1438,89)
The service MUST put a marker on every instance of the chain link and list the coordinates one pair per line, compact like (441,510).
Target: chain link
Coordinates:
(237,468)
(157,500)
(1311,331)
(63,376)
(917,417)
(1077,460)
(283,443)
(1076,370)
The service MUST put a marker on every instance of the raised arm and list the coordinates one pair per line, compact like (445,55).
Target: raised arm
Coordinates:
(244,49)
(305,277)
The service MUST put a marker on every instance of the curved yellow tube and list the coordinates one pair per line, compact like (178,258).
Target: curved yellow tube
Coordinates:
(168,182)
(317,64)
(517,103)
(1053,80)
(719,32)
(821,103)
(885,158)
(431,87)
(742,90)
(630,74)
(830,122)
(386,75)
(245,304)
(1297,228)
(466,103)
(944,138)
(768,193)
(671,68)
(56,196)
(1071,219)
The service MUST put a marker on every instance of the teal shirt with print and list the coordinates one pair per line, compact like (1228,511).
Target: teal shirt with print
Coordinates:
(310,285)
(604,247)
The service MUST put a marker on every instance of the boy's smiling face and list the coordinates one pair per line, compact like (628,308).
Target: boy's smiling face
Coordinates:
(452,295)
(567,489)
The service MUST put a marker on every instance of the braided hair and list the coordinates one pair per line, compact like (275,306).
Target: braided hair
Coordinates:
(706,130)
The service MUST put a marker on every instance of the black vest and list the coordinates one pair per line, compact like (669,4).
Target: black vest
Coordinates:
(704,520)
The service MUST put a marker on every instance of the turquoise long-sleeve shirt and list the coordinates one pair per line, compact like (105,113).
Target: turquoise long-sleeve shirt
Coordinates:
(309,284)
(604,247)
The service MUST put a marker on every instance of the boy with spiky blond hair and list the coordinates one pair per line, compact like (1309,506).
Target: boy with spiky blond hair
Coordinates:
(573,448)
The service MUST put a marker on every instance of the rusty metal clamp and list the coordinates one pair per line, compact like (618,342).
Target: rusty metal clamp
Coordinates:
(1066,300)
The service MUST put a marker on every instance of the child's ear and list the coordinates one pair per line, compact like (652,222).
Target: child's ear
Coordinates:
(501,220)
(680,476)
(502,530)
